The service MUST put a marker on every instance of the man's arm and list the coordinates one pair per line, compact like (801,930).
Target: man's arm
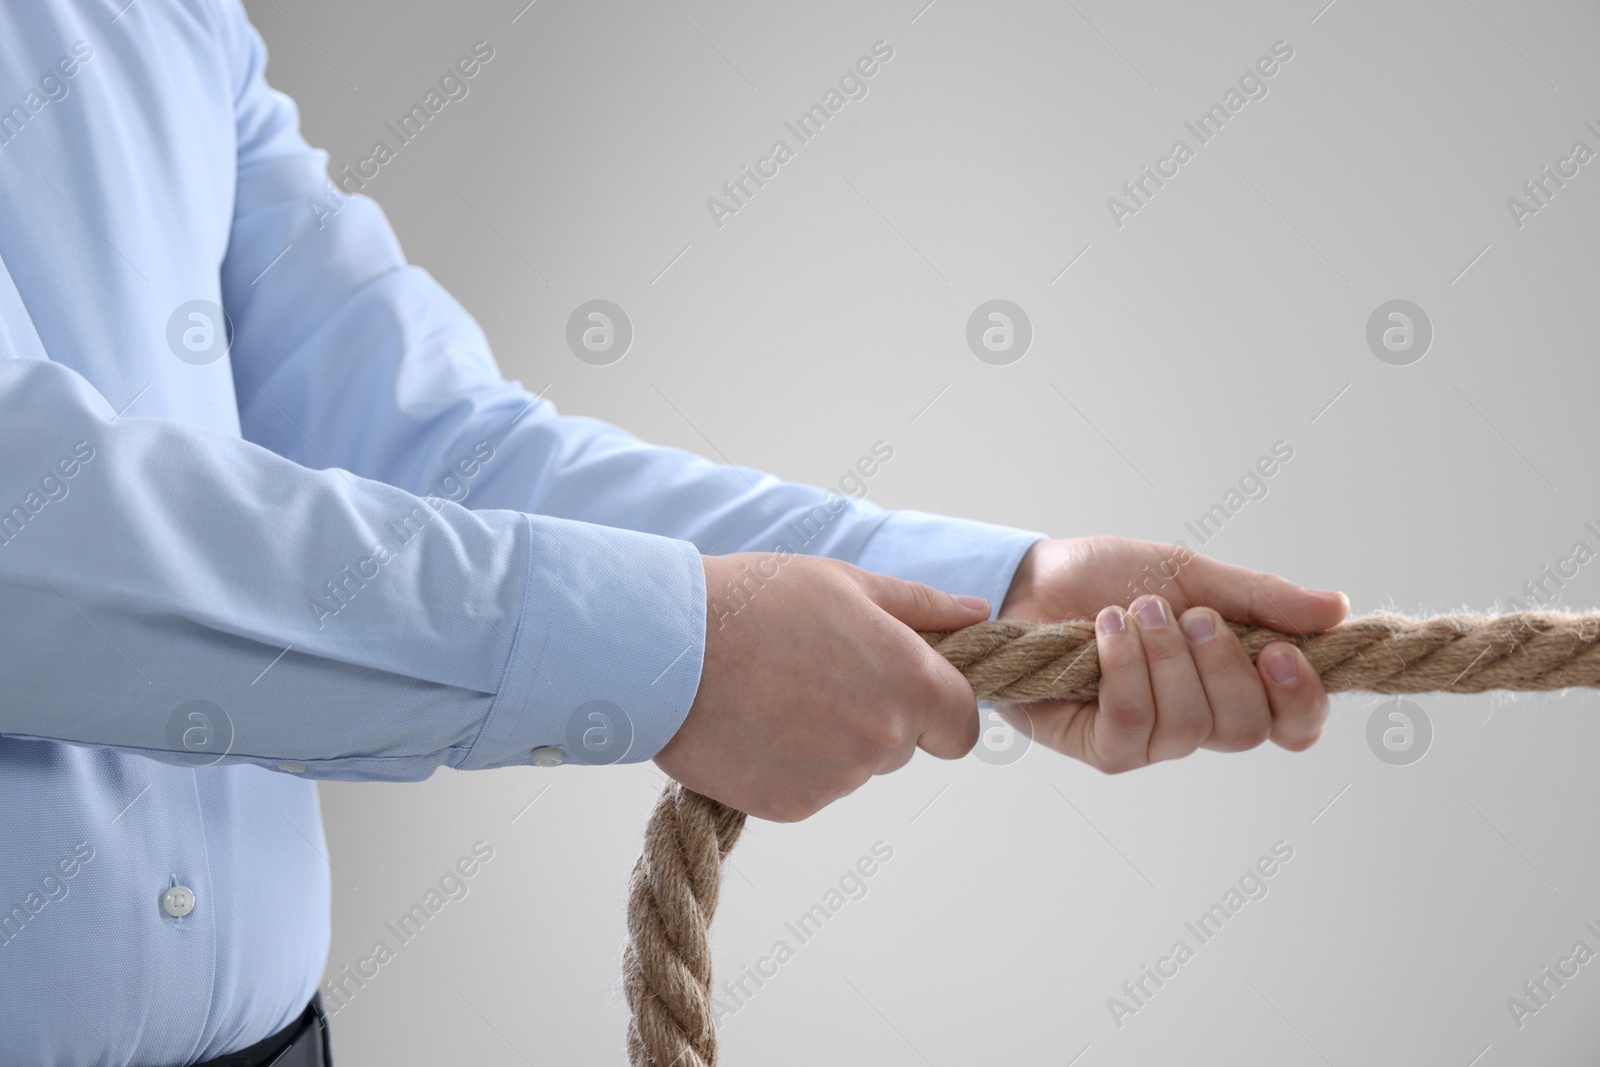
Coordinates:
(182,594)
(347,356)
(186,595)
(191,596)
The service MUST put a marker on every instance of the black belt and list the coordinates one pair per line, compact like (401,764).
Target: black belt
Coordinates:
(303,1043)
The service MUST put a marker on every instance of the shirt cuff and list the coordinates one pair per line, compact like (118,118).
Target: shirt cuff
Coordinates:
(607,656)
(954,555)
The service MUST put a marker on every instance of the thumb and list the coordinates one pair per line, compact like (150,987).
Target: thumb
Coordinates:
(1261,599)
(922,607)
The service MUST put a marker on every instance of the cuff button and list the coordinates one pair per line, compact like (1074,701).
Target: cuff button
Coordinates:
(548,756)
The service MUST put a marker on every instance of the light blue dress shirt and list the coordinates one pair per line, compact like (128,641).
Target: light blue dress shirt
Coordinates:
(344,548)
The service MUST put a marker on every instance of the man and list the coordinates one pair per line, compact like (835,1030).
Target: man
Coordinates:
(346,548)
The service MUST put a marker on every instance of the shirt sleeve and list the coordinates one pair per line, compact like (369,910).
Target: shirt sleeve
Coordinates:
(191,596)
(345,356)
(348,356)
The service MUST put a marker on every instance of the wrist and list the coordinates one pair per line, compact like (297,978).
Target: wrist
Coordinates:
(1022,582)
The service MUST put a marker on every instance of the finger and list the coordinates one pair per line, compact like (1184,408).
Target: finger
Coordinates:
(1240,716)
(951,728)
(896,759)
(1261,599)
(1119,733)
(1055,724)
(936,695)
(922,607)
(1183,715)
(1299,702)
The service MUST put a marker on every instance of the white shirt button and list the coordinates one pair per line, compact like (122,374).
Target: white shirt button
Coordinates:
(178,901)
(548,756)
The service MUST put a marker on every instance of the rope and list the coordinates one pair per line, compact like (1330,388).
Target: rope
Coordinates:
(673,890)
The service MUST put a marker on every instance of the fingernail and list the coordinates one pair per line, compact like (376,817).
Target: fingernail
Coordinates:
(1109,621)
(1152,612)
(975,603)
(1199,628)
(1282,667)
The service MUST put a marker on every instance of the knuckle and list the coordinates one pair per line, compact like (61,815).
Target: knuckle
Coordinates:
(1261,606)
(1245,734)
(1120,653)
(1163,649)
(1301,725)
(836,570)
(1192,728)
(1230,664)
(956,747)
(1305,706)
(924,600)
(1126,717)
(829,564)
(882,735)
(974,731)
(1119,764)
(932,691)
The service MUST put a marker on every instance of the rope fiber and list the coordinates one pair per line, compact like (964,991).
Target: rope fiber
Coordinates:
(673,890)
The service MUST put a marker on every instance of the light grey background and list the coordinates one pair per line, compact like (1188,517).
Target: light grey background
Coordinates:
(1228,314)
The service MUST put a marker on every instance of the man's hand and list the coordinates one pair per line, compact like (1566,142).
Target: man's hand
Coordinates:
(1173,676)
(814,681)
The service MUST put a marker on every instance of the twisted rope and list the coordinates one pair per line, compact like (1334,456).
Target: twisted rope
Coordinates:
(673,891)
(666,969)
